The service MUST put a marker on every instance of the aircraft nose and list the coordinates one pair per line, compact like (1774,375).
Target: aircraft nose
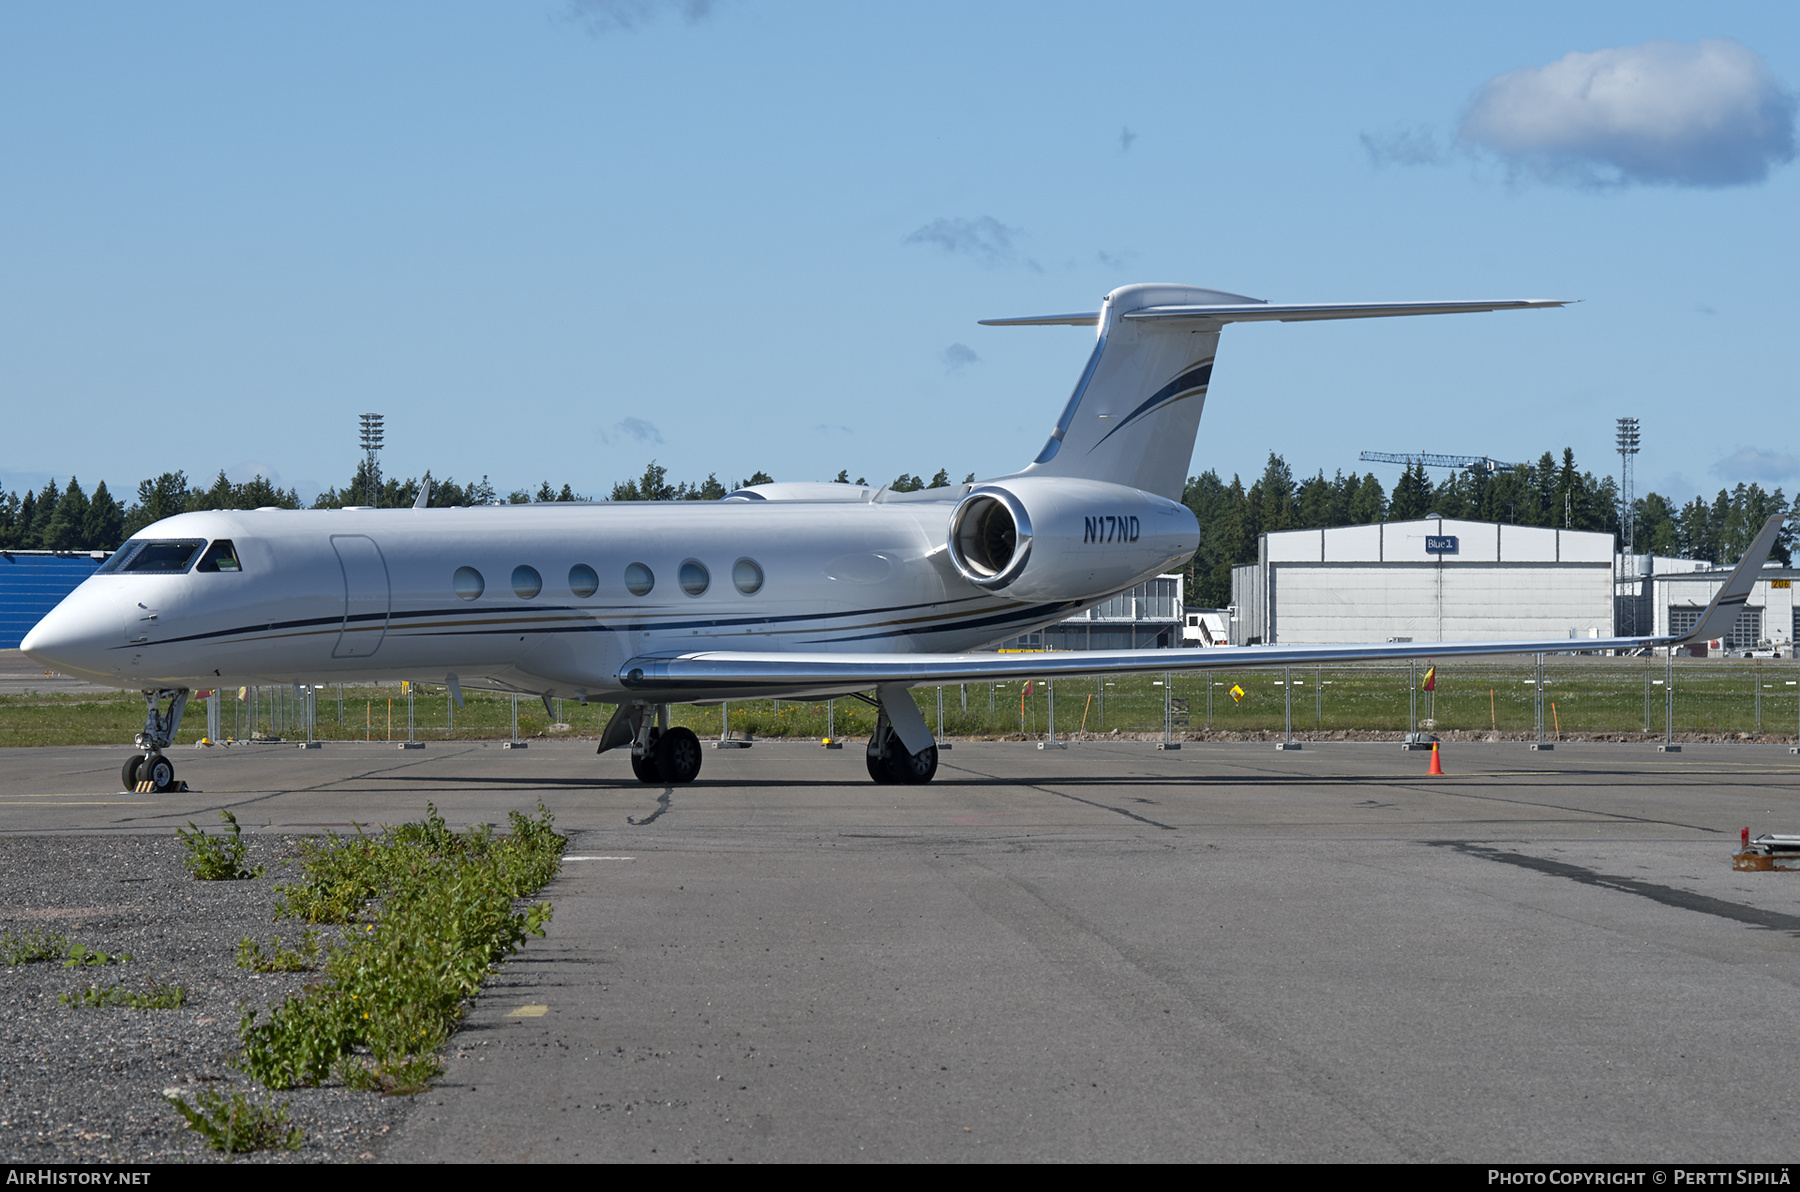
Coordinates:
(75,637)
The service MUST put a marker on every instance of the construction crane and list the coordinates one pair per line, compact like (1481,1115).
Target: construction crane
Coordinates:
(1469,463)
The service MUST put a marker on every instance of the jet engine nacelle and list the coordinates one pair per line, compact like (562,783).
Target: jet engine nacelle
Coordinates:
(1043,538)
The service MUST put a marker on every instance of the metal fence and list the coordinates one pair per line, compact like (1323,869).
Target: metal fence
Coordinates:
(1567,696)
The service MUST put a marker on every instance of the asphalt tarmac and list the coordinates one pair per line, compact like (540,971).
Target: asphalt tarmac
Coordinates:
(1107,952)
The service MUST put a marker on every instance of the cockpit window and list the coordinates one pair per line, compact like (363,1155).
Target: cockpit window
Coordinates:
(120,557)
(156,556)
(220,556)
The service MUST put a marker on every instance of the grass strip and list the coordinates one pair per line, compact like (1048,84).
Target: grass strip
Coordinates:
(432,913)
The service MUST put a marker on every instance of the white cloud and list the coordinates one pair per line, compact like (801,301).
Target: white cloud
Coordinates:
(635,429)
(983,237)
(1754,463)
(625,16)
(958,357)
(1666,113)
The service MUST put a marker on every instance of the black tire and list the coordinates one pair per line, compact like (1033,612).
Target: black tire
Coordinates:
(678,756)
(912,769)
(880,771)
(159,771)
(128,777)
(645,767)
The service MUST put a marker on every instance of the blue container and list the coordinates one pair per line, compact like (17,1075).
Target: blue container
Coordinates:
(33,583)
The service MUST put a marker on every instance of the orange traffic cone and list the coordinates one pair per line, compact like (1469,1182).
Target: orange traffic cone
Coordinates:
(1437,767)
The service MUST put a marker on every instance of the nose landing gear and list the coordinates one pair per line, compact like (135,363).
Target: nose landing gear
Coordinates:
(148,770)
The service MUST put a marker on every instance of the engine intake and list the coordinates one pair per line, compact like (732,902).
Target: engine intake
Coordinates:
(1034,538)
(990,537)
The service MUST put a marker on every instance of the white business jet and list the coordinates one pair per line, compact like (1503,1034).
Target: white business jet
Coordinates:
(779,590)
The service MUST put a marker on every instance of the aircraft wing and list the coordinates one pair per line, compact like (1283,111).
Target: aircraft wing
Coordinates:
(714,674)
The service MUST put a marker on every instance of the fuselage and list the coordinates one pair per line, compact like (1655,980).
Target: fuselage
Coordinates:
(549,599)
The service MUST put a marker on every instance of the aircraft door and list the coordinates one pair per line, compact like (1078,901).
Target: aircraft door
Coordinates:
(366,595)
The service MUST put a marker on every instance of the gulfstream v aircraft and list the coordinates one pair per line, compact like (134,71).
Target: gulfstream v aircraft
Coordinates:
(785,590)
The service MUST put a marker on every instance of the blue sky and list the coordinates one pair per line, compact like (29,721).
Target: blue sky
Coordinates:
(551,240)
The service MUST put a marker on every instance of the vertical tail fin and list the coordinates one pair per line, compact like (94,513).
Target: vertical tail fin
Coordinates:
(1134,413)
(1136,409)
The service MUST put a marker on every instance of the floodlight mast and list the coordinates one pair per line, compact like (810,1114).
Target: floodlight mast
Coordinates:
(371,445)
(1628,448)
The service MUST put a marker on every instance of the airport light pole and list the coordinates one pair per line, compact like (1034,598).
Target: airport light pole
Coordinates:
(371,445)
(1628,449)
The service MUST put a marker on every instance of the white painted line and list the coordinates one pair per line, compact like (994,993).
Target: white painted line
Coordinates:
(599,858)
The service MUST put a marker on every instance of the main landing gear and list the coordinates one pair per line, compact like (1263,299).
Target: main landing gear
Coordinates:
(893,764)
(659,754)
(890,761)
(671,756)
(148,768)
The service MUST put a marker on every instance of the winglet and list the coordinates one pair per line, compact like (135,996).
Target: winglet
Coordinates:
(1722,613)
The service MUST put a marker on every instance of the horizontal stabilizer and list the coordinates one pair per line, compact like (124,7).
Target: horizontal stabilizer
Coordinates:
(1300,312)
(1280,312)
(1084,320)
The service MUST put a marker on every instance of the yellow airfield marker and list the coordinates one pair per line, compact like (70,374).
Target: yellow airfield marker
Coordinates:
(529,1012)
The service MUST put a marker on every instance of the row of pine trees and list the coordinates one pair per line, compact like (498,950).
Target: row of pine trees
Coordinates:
(1232,517)
(1548,493)
(68,518)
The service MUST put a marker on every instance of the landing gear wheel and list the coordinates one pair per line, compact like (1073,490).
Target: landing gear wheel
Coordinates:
(158,771)
(645,767)
(678,756)
(914,769)
(128,777)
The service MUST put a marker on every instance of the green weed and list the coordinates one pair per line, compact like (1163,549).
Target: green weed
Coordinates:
(217,858)
(236,1125)
(303,959)
(442,909)
(82,957)
(157,997)
(32,947)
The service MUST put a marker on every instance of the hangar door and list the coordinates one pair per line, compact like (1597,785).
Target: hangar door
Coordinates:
(365,596)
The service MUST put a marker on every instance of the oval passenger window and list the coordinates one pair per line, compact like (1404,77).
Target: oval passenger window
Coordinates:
(527,582)
(694,578)
(469,583)
(639,580)
(747,576)
(582,580)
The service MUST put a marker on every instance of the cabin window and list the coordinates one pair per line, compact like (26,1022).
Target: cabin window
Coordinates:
(694,577)
(639,579)
(748,576)
(582,580)
(220,556)
(155,556)
(526,582)
(469,584)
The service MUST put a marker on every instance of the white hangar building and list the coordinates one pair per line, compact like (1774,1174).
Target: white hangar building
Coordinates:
(1438,579)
